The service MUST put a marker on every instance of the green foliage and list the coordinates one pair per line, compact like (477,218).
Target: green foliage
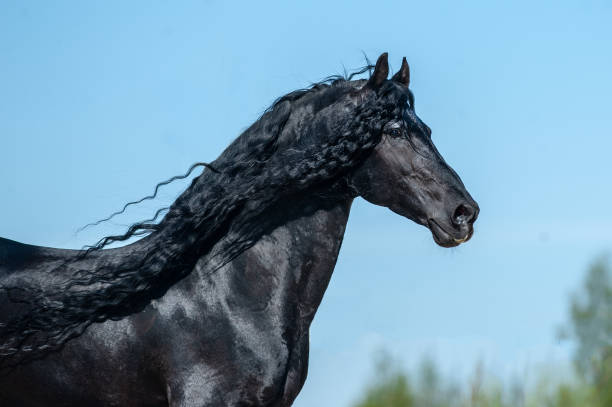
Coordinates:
(390,387)
(551,392)
(590,327)
(393,387)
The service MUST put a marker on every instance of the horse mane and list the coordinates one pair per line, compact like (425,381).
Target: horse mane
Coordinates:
(269,163)
(143,227)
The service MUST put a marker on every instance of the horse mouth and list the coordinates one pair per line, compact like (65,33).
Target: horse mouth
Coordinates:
(444,238)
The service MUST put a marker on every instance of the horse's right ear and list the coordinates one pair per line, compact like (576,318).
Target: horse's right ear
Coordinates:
(403,75)
(380,71)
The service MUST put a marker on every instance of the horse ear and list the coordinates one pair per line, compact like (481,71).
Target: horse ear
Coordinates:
(403,75)
(380,71)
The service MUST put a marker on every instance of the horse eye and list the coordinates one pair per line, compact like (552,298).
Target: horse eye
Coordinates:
(395,132)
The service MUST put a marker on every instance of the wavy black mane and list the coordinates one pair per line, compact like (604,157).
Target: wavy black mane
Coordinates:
(300,146)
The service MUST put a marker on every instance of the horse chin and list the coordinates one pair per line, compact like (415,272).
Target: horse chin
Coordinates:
(444,238)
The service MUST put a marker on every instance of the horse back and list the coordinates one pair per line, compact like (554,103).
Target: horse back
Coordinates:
(16,256)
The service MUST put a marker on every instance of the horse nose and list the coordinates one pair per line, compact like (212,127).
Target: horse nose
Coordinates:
(464,214)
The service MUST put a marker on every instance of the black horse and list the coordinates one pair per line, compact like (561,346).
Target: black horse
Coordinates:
(213,306)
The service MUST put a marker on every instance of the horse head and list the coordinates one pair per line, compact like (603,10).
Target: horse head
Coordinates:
(406,173)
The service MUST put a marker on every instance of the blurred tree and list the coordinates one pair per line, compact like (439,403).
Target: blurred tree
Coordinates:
(390,388)
(590,326)
(432,389)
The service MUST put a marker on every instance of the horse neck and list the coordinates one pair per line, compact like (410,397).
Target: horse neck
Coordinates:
(293,262)
(314,248)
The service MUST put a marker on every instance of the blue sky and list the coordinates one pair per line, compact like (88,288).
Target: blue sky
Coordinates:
(99,101)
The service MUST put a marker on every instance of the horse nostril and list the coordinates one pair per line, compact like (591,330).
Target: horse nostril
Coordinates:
(463,214)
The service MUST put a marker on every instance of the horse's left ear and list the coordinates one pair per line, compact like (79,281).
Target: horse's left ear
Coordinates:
(403,75)
(381,70)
